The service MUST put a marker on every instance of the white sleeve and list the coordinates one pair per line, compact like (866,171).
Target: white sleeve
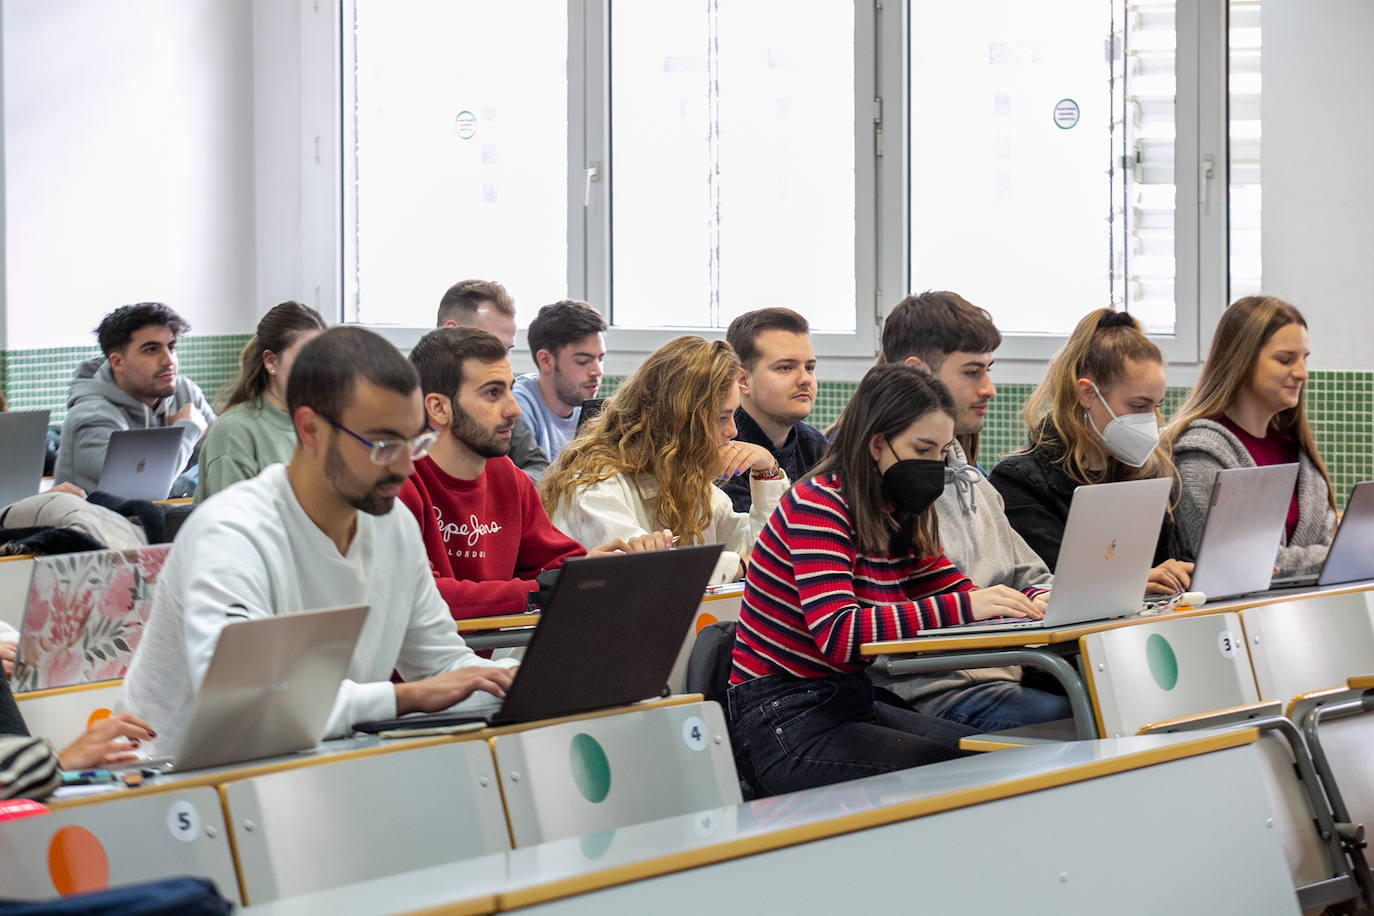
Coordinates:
(738,530)
(599,513)
(8,633)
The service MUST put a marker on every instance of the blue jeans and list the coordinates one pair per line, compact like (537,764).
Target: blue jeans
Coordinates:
(796,733)
(994,706)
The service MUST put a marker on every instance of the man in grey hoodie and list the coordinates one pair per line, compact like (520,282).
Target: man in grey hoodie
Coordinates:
(943,333)
(135,385)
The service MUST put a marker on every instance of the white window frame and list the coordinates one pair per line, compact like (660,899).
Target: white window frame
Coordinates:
(882,268)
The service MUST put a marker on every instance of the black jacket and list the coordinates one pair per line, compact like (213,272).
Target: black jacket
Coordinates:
(1037,493)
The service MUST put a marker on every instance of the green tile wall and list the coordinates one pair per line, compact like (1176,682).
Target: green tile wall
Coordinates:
(39,378)
(1340,407)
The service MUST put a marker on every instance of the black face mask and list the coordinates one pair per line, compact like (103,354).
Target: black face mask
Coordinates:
(914,483)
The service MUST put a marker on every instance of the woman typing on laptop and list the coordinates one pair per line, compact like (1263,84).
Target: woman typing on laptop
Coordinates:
(852,555)
(1093,419)
(1247,411)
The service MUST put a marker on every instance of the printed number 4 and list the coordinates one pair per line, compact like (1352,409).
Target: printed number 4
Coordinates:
(696,733)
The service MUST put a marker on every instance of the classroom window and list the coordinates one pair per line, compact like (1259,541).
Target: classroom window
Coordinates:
(732,162)
(455,153)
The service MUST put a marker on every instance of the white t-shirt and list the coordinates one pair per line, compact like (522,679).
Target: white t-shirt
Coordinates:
(551,431)
(250,552)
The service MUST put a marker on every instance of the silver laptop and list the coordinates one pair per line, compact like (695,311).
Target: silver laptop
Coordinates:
(141,463)
(1244,529)
(1104,558)
(269,688)
(1351,556)
(23,443)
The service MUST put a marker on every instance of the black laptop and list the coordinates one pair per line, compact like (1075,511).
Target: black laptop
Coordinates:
(608,636)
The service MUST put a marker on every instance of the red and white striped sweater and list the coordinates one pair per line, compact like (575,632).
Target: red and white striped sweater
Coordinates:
(810,599)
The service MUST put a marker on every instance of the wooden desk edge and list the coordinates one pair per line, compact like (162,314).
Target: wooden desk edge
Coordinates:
(862,820)
(70,688)
(476,906)
(478,624)
(278,765)
(975,743)
(1361,682)
(1054,635)
(1229,711)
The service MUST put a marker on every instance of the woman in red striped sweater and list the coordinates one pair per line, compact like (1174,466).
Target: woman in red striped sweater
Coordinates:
(852,555)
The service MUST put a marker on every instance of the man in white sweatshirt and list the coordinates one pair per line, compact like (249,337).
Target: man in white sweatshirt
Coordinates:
(954,340)
(319,532)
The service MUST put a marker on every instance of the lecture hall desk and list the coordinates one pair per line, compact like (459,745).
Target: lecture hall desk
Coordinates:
(1050,648)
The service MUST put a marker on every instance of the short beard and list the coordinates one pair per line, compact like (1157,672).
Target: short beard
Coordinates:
(477,439)
(570,395)
(346,485)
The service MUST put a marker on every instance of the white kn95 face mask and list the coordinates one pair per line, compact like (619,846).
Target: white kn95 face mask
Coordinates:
(1129,438)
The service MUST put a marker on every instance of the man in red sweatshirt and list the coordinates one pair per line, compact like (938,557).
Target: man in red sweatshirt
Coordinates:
(484,529)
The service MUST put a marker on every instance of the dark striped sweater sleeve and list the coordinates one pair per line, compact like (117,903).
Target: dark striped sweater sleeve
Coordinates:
(28,767)
(824,563)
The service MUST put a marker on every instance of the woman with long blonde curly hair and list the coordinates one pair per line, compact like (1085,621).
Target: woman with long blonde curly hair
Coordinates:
(1094,418)
(649,462)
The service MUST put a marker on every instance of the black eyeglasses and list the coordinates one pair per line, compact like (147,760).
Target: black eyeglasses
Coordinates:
(386,451)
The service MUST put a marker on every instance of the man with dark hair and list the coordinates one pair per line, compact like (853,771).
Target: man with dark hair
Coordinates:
(133,385)
(777,391)
(954,340)
(318,532)
(485,305)
(485,531)
(568,343)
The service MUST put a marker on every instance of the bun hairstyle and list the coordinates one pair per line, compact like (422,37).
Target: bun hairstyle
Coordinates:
(1100,348)
(1245,327)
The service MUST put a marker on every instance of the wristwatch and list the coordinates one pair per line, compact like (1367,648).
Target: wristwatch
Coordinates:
(772,473)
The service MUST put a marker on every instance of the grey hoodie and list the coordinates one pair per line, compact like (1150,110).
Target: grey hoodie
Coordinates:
(1203,449)
(97,407)
(977,538)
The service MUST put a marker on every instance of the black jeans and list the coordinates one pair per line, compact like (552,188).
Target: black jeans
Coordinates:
(796,733)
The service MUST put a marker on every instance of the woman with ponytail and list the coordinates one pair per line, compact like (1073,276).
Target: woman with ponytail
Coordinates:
(1093,419)
(1247,410)
(253,429)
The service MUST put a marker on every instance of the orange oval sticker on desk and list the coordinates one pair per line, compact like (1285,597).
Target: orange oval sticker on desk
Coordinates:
(704,620)
(77,862)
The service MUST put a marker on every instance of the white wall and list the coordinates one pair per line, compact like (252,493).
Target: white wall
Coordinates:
(128,130)
(1318,237)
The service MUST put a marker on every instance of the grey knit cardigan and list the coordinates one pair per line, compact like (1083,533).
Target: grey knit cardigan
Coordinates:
(1204,449)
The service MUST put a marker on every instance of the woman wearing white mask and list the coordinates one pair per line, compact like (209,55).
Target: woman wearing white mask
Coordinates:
(1247,410)
(1094,419)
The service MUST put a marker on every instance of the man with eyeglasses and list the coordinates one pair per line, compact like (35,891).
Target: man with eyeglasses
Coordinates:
(485,530)
(318,532)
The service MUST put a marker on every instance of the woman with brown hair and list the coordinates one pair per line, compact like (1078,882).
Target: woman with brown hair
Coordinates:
(649,462)
(852,555)
(1247,411)
(1093,419)
(253,429)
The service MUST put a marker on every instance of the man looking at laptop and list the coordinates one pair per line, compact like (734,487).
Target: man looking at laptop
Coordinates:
(484,528)
(777,390)
(133,385)
(568,343)
(485,305)
(316,533)
(954,340)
